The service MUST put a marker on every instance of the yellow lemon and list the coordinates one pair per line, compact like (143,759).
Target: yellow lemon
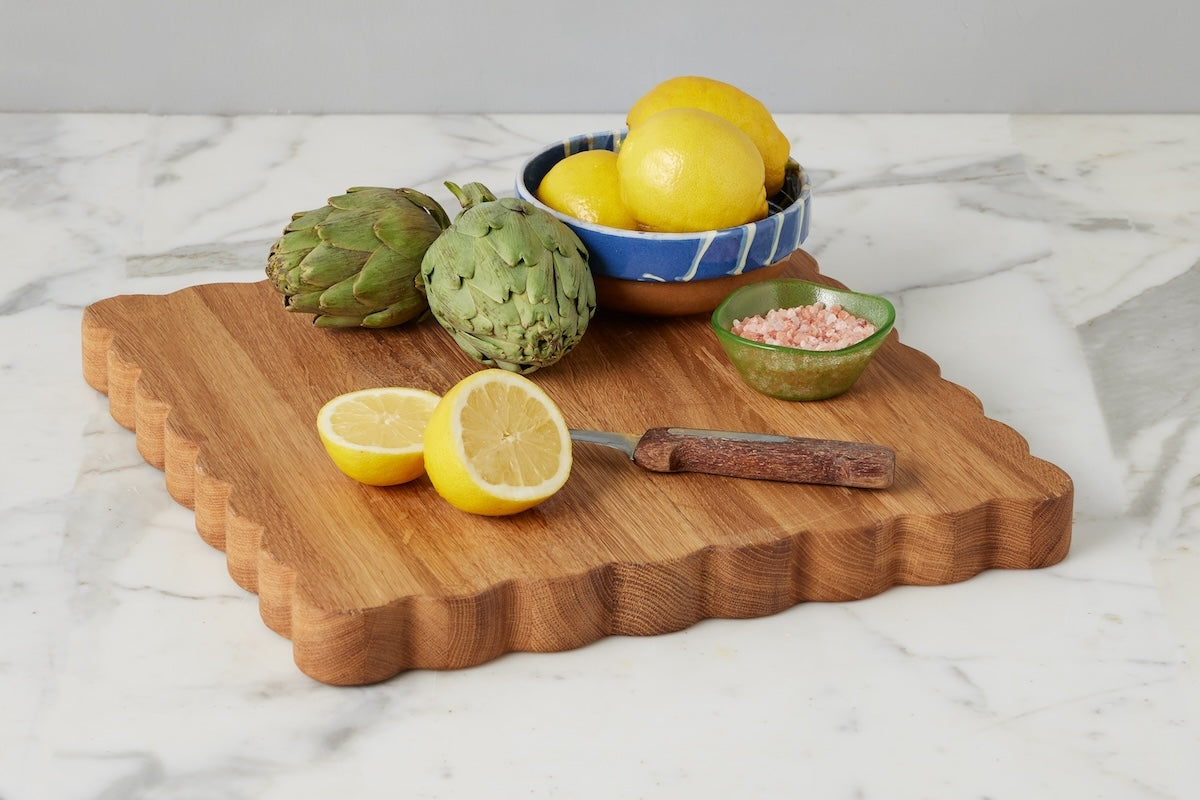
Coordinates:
(728,102)
(376,436)
(684,169)
(584,186)
(497,444)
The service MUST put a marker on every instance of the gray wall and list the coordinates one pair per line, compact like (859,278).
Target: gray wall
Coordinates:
(246,56)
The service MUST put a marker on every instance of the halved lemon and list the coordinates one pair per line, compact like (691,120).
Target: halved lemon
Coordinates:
(376,436)
(497,444)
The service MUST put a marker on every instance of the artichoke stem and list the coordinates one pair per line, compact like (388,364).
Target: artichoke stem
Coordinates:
(472,194)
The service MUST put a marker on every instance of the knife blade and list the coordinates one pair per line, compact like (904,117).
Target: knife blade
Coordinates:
(760,456)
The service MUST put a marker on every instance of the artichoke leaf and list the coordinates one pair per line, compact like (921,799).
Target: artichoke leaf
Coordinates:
(490,316)
(339,300)
(491,351)
(514,242)
(483,318)
(472,345)
(464,263)
(350,230)
(573,284)
(482,221)
(566,303)
(457,303)
(305,220)
(541,282)
(384,276)
(450,259)
(494,278)
(333,321)
(305,302)
(554,235)
(296,240)
(279,269)
(365,197)
(429,205)
(287,280)
(409,231)
(325,265)
(395,314)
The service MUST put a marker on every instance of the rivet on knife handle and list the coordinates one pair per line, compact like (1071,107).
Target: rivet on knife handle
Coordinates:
(766,457)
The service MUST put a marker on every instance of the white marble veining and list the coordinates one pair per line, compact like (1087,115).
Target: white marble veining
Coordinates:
(1049,264)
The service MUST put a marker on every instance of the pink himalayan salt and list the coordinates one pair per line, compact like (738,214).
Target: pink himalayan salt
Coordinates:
(813,327)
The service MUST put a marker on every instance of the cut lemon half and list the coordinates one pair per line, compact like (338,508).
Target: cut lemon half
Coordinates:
(376,436)
(497,444)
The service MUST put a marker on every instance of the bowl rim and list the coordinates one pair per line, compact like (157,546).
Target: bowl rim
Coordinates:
(725,335)
(564,145)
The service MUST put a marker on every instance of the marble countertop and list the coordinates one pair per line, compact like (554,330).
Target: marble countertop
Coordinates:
(1049,264)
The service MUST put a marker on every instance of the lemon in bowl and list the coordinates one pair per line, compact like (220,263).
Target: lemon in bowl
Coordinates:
(684,170)
(661,273)
(585,186)
(732,104)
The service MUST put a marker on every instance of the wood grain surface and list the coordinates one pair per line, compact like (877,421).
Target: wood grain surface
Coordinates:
(222,388)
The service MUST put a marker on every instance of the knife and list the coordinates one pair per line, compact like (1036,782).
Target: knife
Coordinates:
(762,456)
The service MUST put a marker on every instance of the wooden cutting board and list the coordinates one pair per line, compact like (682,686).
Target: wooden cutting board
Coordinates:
(222,387)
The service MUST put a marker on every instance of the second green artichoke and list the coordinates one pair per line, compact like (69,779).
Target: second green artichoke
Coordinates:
(509,282)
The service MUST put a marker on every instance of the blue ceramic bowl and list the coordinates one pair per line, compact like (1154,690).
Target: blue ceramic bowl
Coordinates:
(658,265)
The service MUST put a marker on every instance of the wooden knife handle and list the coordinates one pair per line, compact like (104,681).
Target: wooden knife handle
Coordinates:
(796,460)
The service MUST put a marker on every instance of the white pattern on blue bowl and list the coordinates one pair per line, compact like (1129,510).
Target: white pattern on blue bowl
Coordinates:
(677,257)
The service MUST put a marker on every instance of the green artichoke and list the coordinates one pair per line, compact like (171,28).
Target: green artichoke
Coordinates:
(509,282)
(356,260)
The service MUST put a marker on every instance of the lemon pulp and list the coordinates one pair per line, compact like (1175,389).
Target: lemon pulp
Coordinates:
(496,444)
(376,436)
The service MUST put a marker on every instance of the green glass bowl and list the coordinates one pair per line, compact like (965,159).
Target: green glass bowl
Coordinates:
(787,372)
